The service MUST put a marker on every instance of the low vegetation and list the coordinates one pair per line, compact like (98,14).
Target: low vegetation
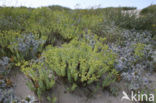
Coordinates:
(81,47)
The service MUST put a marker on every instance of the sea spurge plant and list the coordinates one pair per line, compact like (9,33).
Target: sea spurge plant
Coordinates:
(65,24)
(41,76)
(81,64)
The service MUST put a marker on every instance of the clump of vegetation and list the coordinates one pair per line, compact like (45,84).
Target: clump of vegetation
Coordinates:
(42,78)
(27,47)
(128,8)
(5,83)
(82,64)
(6,39)
(19,47)
(150,12)
(128,20)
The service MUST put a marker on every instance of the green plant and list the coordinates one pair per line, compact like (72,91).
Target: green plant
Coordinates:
(150,9)
(82,64)
(27,47)
(150,12)
(128,20)
(41,76)
(14,18)
(139,47)
(52,99)
(6,39)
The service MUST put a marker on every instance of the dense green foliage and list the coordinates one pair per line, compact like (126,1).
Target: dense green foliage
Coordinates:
(81,63)
(123,8)
(129,20)
(6,39)
(66,23)
(128,8)
(151,12)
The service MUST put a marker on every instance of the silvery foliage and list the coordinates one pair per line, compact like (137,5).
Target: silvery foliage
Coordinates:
(28,99)
(6,95)
(134,69)
(90,39)
(7,92)
(28,45)
(4,62)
